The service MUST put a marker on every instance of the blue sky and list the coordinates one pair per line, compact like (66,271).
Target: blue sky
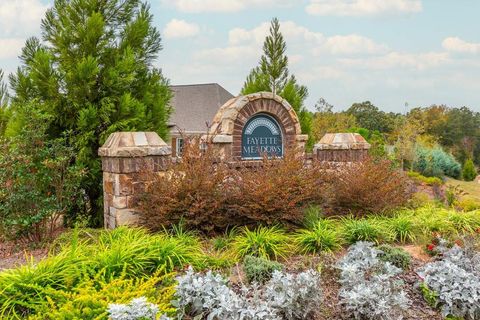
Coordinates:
(387,51)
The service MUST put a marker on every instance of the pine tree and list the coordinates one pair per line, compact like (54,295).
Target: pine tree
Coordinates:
(272,75)
(469,172)
(4,111)
(93,72)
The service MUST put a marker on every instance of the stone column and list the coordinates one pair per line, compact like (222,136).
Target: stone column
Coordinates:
(124,156)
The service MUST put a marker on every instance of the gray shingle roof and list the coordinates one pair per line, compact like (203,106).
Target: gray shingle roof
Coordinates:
(194,105)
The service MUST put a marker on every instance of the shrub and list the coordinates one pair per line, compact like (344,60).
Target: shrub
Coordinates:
(258,269)
(454,281)
(429,181)
(469,173)
(284,296)
(372,186)
(265,242)
(369,288)
(396,256)
(212,195)
(435,162)
(322,236)
(363,230)
(38,183)
(93,299)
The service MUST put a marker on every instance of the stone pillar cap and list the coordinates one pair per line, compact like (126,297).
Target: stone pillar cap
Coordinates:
(134,144)
(342,141)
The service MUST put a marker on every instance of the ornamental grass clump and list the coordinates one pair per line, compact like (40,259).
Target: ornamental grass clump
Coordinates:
(320,237)
(372,230)
(123,253)
(370,289)
(265,242)
(453,283)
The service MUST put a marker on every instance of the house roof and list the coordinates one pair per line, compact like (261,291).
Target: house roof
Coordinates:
(196,104)
(342,141)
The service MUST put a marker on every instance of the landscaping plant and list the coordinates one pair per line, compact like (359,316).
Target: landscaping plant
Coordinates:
(259,270)
(371,186)
(396,256)
(320,237)
(453,283)
(265,242)
(370,289)
(284,296)
(364,230)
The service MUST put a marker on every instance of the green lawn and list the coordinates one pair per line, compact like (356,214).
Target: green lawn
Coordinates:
(472,188)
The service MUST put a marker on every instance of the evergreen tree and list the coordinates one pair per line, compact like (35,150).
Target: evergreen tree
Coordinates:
(93,73)
(4,111)
(469,172)
(272,75)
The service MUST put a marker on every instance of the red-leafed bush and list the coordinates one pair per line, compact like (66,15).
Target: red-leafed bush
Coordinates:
(211,195)
(371,186)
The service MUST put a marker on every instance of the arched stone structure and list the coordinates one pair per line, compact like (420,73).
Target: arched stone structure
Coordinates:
(228,124)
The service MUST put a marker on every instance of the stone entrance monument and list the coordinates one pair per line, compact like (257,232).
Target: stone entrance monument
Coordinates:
(248,127)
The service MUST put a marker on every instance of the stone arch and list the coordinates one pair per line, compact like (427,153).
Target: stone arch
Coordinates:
(228,123)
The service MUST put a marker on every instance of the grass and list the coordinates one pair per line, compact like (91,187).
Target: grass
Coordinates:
(264,242)
(132,253)
(368,229)
(472,188)
(320,237)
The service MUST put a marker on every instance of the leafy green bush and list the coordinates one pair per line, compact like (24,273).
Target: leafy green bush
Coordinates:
(396,256)
(322,236)
(265,242)
(469,173)
(435,162)
(38,183)
(259,270)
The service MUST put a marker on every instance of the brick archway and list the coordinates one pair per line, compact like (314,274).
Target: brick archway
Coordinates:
(228,123)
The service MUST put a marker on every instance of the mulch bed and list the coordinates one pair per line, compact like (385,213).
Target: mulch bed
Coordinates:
(13,254)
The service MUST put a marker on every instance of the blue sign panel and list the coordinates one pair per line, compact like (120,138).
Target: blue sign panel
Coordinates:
(261,136)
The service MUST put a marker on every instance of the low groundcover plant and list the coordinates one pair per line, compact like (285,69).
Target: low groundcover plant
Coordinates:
(284,296)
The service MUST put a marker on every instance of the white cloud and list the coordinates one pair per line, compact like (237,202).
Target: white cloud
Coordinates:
(456,44)
(353,44)
(20,17)
(180,29)
(197,6)
(392,60)
(362,7)
(10,47)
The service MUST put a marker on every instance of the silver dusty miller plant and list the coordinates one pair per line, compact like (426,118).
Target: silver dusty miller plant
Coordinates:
(455,279)
(294,296)
(137,309)
(285,296)
(369,287)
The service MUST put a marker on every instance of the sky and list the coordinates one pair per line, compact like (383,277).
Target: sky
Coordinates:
(398,54)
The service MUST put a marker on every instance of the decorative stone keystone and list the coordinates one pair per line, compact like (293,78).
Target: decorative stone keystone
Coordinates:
(124,155)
